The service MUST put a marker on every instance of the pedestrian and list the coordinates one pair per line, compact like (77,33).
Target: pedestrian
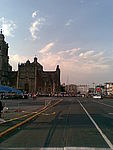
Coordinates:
(1,108)
(1,96)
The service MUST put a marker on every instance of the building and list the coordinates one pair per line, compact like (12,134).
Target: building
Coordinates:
(7,76)
(31,78)
(3,60)
(71,89)
(99,89)
(108,88)
(82,89)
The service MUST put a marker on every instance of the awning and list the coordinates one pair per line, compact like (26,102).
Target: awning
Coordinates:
(7,89)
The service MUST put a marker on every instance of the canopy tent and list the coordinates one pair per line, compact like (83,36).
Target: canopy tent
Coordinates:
(7,89)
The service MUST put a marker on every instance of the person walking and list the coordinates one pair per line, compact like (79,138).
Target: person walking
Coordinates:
(1,108)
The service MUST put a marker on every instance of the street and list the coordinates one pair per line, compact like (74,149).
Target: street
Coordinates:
(74,122)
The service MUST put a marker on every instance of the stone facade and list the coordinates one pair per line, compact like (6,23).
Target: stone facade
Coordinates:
(31,78)
(4,65)
(12,78)
(7,76)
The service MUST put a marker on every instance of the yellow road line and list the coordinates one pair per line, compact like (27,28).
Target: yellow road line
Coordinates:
(23,116)
(28,119)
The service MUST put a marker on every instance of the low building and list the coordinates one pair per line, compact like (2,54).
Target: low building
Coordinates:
(83,89)
(108,88)
(71,89)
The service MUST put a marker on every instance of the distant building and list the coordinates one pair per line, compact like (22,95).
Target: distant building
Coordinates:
(82,89)
(99,89)
(7,76)
(32,78)
(91,90)
(108,88)
(71,89)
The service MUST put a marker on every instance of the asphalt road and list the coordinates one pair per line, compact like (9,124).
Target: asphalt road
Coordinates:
(75,122)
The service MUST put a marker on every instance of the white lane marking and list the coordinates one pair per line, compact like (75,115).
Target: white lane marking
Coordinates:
(103,104)
(97,127)
(56,148)
(110,113)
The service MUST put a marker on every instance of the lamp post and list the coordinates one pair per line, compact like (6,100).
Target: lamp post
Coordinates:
(94,88)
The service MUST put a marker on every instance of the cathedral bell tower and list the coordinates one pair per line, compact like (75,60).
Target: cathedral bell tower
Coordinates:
(3,60)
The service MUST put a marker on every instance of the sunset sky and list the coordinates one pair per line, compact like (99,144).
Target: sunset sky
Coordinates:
(76,34)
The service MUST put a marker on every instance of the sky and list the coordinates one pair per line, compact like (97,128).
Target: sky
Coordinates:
(75,34)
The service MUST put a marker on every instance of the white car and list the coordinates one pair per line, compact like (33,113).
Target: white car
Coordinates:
(97,96)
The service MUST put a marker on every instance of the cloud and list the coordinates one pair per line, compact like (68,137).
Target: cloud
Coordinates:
(8,26)
(15,59)
(69,22)
(36,25)
(69,52)
(87,54)
(80,64)
(34,14)
(47,47)
(75,57)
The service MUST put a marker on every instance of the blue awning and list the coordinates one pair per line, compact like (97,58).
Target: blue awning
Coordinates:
(7,89)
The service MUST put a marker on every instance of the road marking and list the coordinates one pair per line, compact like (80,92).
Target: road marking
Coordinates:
(23,116)
(46,114)
(110,113)
(103,104)
(57,148)
(28,119)
(97,127)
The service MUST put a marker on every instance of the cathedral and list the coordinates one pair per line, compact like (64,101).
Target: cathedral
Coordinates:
(7,76)
(30,76)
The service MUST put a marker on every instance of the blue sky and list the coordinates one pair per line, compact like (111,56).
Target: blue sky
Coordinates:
(76,34)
